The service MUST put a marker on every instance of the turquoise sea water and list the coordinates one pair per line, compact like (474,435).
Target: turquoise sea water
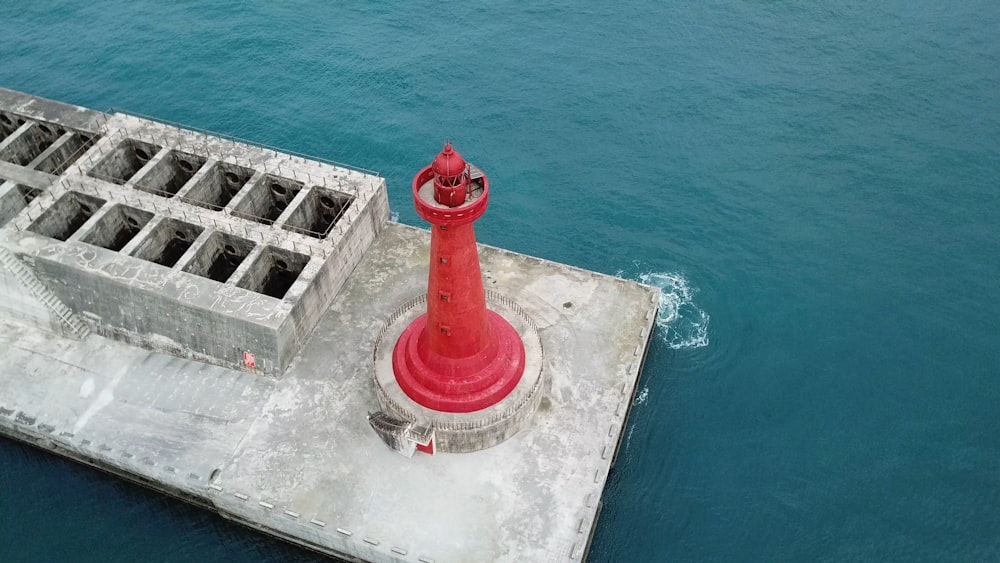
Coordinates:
(816,188)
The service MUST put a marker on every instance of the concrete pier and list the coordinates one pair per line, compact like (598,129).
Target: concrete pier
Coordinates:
(289,452)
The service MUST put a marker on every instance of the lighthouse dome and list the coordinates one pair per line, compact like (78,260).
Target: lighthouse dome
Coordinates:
(448,163)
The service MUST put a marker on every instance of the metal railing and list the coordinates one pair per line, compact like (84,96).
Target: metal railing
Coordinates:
(235,139)
(252,209)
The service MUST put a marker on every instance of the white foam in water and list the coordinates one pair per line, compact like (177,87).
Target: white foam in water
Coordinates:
(681,323)
(641,397)
(394,216)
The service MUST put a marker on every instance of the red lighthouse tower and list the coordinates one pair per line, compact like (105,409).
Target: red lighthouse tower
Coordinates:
(460,356)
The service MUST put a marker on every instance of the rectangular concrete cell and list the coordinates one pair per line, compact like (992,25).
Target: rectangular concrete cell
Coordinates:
(274,271)
(167,242)
(171,173)
(117,227)
(218,185)
(268,199)
(24,148)
(14,200)
(9,122)
(319,212)
(67,153)
(219,257)
(124,161)
(66,215)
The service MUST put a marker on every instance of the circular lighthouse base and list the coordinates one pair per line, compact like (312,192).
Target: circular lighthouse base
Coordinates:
(465,431)
(486,380)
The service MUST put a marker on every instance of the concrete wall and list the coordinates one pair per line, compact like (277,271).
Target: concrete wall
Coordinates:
(168,172)
(217,185)
(319,210)
(267,199)
(272,271)
(67,215)
(28,142)
(13,198)
(124,162)
(178,241)
(63,152)
(172,310)
(9,122)
(158,321)
(167,242)
(19,304)
(116,225)
(218,256)
(331,277)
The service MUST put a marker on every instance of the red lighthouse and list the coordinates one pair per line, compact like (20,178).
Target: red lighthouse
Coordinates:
(460,356)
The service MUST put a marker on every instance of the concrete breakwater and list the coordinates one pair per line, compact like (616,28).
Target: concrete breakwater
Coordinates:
(211,308)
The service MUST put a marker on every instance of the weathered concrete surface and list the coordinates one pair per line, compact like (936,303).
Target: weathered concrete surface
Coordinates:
(295,457)
(25,176)
(470,431)
(301,226)
(34,107)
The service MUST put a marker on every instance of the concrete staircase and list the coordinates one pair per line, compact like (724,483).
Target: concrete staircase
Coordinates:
(21,271)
